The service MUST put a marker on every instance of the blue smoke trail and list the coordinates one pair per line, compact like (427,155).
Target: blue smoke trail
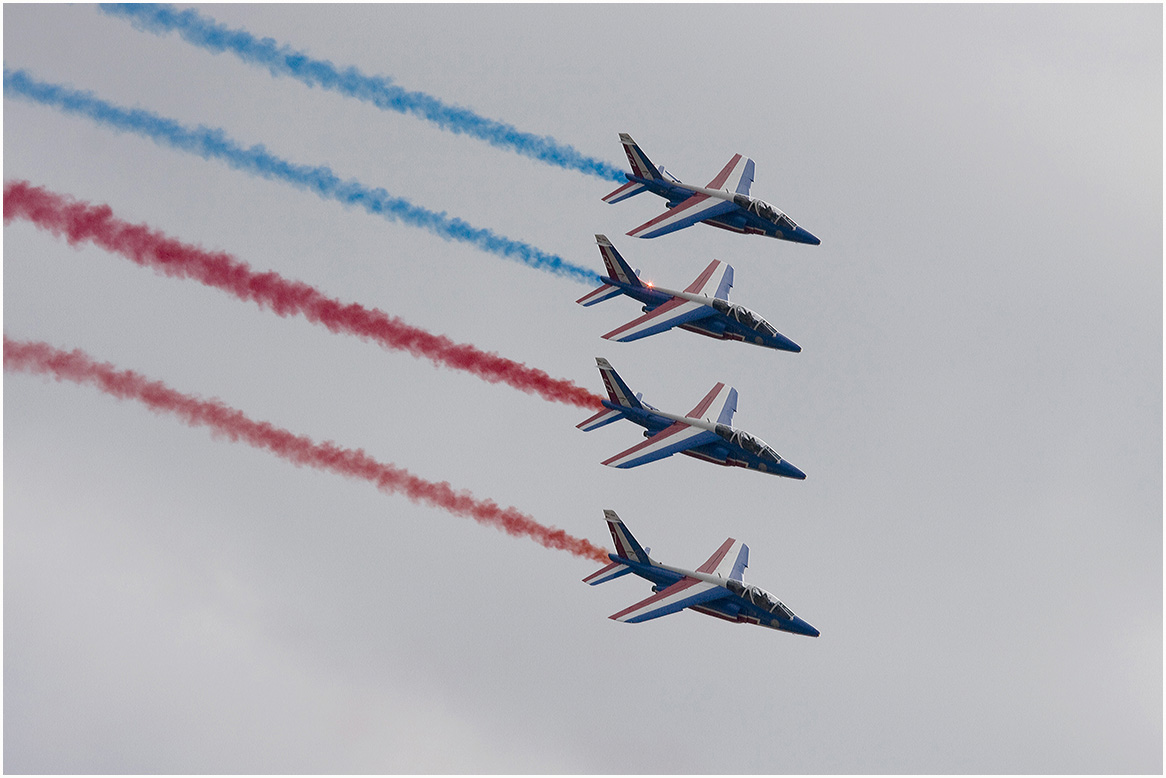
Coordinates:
(204,32)
(210,143)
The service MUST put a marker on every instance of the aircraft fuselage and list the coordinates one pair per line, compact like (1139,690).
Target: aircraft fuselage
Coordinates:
(723,451)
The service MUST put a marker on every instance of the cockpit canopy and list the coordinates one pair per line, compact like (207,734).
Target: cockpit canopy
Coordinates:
(759,597)
(765,211)
(743,315)
(748,442)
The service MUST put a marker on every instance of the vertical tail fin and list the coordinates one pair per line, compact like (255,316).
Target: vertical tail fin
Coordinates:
(618,393)
(641,166)
(626,545)
(617,268)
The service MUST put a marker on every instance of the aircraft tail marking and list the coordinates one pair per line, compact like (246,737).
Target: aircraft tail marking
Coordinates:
(617,391)
(626,545)
(641,166)
(617,268)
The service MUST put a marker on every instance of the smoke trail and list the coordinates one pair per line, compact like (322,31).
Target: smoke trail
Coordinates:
(78,367)
(206,33)
(211,143)
(79,221)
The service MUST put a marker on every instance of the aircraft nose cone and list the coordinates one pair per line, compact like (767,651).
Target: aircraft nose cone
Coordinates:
(784,468)
(805,236)
(785,344)
(802,628)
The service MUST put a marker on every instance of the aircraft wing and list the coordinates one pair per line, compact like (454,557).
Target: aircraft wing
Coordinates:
(736,176)
(671,314)
(714,281)
(687,213)
(728,561)
(668,441)
(683,594)
(718,405)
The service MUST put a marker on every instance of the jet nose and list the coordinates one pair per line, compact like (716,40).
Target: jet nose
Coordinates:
(802,628)
(784,468)
(805,236)
(783,343)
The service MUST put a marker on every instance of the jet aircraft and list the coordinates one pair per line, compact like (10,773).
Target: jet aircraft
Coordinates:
(703,307)
(724,203)
(716,588)
(704,432)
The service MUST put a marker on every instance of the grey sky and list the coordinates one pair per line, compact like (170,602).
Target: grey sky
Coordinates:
(978,403)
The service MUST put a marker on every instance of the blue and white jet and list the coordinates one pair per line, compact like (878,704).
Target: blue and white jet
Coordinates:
(705,432)
(724,203)
(716,588)
(703,307)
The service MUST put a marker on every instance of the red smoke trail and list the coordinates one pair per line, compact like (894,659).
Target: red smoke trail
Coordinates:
(77,366)
(79,221)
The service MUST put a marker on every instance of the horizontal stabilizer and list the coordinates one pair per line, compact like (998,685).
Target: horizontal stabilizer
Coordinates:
(601,419)
(605,292)
(630,189)
(611,572)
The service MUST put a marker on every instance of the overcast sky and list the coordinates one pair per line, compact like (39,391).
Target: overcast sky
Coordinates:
(978,402)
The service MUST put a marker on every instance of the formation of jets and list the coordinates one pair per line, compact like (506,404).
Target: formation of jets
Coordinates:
(716,588)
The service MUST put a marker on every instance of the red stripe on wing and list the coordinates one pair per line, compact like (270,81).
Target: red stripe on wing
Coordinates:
(675,588)
(696,199)
(715,559)
(723,176)
(703,278)
(666,432)
(665,308)
(703,405)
